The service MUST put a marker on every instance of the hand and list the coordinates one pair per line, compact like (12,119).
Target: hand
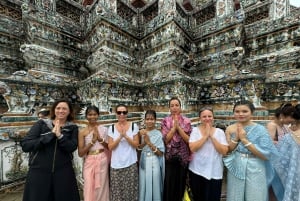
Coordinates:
(95,134)
(241,133)
(100,139)
(175,122)
(142,134)
(57,128)
(146,138)
(209,129)
(206,130)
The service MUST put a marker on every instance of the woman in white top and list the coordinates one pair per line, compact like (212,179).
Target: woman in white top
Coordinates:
(208,144)
(122,141)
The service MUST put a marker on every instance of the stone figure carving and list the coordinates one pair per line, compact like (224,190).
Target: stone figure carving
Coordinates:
(221,8)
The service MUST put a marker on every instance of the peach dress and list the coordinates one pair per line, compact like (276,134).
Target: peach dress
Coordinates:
(95,170)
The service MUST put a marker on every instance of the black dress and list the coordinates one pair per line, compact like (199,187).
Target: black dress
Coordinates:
(51,176)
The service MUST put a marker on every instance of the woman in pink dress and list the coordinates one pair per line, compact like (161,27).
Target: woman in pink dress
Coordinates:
(92,145)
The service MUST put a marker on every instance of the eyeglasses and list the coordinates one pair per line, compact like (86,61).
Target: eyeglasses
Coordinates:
(122,112)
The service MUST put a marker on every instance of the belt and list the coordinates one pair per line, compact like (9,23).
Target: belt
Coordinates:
(95,152)
(150,153)
(246,155)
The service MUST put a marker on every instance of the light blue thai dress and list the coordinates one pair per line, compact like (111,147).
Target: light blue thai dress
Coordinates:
(246,175)
(151,175)
(287,166)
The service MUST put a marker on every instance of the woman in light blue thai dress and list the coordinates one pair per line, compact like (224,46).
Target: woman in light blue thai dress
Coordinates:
(151,170)
(287,163)
(251,146)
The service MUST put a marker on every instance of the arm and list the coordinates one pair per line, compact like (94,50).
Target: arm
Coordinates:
(142,142)
(183,134)
(251,147)
(82,149)
(112,144)
(194,146)
(69,139)
(231,142)
(167,132)
(221,148)
(154,148)
(272,128)
(36,137)
(103,140)
(134,142)
(170,135)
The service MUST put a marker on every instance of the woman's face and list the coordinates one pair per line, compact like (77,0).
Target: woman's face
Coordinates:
(121,113)
(62,111)
(175,107)
(206,116)
(242,113)
(92,116)
(149,121)
(286,119)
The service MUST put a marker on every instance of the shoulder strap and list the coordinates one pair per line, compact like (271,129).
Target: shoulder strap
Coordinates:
(113,127)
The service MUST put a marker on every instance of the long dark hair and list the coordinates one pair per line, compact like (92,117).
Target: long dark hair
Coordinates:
(285,109)
(296,114)
(70,117)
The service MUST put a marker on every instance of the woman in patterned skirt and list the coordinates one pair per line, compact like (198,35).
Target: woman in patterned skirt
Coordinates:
(122,141)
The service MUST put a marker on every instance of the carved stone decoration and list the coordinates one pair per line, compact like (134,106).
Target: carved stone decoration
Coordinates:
(280,9)
(17,100)
(221,8)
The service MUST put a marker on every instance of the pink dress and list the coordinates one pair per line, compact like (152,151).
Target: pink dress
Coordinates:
(95,170)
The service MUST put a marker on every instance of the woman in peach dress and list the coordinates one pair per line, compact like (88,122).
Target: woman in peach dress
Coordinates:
(92,145)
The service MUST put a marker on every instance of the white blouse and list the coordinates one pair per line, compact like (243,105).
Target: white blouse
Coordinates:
(206,161)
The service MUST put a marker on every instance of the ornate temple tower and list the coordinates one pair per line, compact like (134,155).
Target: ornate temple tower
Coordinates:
(142,52)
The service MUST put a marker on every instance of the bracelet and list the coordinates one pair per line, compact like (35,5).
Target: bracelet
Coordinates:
(102,141)
(155,150)
(233,141)
(248,144)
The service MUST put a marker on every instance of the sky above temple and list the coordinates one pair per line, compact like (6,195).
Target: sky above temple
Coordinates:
(295,3)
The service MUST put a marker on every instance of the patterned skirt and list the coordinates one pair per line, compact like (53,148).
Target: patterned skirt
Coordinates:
(124,183)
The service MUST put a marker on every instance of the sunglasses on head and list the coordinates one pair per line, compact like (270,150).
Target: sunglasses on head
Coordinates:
(122,112)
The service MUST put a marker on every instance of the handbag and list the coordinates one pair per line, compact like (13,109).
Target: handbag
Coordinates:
(186,196)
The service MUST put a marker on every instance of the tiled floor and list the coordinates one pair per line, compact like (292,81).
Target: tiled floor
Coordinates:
(15,194)
(12,194)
